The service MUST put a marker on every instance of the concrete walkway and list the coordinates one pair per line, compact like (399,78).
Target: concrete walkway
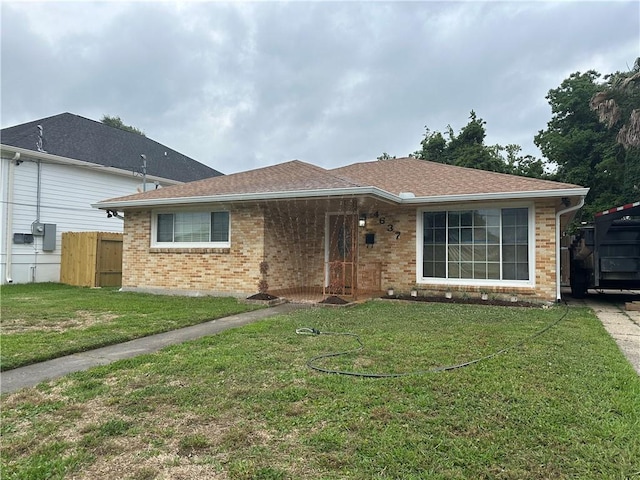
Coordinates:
(622,325)
(31,375)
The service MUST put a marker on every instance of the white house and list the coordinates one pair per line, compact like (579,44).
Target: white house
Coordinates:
(53,169)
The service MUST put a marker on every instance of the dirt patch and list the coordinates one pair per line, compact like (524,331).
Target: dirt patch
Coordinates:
(262,296)
(82,319)
(333,300)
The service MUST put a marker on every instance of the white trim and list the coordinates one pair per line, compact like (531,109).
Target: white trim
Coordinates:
(31,156)
(153,243)
(471,281)
(337,192)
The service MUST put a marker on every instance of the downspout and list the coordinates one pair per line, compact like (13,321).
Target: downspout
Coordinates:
(578,206)
(9,220)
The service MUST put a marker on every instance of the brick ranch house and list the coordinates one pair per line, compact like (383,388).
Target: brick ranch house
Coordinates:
(352,231)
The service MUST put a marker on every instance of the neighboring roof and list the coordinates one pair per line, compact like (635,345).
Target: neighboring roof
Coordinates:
(404,180)
(71,136)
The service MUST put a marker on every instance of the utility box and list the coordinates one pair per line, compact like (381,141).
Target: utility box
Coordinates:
(91,259)
(49,237)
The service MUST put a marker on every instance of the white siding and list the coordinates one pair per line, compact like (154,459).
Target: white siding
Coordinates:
(66,195)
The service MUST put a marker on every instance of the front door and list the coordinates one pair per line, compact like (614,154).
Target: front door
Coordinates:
(340,254)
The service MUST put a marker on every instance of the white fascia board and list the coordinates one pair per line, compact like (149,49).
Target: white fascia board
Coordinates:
(33,156)
(245,197)
(564,192)
(337,192)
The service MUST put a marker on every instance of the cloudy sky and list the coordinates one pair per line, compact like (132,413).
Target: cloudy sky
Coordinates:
(243,85)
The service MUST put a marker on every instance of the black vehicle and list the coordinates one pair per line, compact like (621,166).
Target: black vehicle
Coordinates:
(605,255)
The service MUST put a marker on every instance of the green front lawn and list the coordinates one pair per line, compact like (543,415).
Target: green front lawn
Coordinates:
(244,405)
(44,321)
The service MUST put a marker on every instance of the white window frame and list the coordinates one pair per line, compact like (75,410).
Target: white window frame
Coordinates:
(154,230)
(472,281)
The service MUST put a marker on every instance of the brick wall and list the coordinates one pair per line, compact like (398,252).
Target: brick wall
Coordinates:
(290,237)
(396,253)
(233,271)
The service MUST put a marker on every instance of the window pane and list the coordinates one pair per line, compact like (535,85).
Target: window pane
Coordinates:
(427,269)
(493,271)
(509,253)
(466,235)
(454,270)
(192,227)
(454,219)
(220,226)
(522,271)
(466,270)
(480,270)
(441,270)
(466,253)
(493,253)
(439,235)
(165,227)
(454,253)
(454,235)
(509,271)
(479,253)
(466,219)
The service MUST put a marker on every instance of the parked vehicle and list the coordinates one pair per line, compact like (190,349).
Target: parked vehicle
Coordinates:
(605,254)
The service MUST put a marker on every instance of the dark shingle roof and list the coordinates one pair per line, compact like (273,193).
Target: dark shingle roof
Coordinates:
(71,136)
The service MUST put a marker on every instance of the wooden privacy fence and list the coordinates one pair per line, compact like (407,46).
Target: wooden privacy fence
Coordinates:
(91,259)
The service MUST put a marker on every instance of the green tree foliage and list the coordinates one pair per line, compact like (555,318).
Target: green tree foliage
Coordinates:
(584,149)
(468,149)
(617,105)
(117,122)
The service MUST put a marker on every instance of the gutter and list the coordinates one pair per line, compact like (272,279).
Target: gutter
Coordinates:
(402,198)
(558,214)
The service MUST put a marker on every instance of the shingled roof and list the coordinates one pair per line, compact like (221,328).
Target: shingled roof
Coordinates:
(75,137)
(403,180)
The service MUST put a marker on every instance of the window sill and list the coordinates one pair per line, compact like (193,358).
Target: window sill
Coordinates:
(190,250)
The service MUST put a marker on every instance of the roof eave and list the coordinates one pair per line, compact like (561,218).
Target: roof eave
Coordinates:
(338,192)
(473,197)
(34,155)
(245,197)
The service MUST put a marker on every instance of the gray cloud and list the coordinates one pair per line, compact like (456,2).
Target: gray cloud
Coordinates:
(239,86)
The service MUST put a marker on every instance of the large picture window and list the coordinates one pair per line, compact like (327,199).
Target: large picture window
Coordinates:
(192,229)
(486,244)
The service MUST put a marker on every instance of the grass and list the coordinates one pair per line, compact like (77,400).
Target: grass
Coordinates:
(45,321)
(244,405)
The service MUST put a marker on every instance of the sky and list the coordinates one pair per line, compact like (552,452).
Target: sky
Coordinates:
(239,85)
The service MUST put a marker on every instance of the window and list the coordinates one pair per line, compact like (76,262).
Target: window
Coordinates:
(192,229)
(488,245)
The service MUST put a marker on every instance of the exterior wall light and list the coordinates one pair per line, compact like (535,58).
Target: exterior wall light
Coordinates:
(362,221)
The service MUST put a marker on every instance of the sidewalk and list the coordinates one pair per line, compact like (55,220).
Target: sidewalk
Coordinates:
(31,375)
(622,325)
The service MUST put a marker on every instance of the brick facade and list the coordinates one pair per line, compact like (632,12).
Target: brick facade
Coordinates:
(290,237)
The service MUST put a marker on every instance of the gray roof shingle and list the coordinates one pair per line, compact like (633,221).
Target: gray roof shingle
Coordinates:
(72,136)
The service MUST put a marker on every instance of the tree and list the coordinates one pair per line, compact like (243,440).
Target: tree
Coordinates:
(385,156)
(117,122)
(584,149)
(468,149)
(617,105)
